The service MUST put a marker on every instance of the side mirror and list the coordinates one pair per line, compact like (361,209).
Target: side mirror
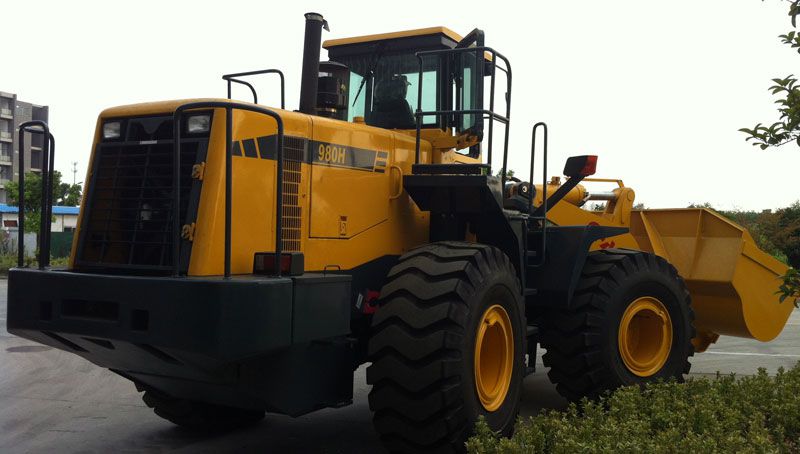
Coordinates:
(580,166)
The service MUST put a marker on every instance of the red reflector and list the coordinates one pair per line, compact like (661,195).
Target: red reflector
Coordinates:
(590,167)
(370,302)
(291,263)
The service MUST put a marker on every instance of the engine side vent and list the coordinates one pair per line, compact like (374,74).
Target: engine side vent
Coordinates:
(294,149)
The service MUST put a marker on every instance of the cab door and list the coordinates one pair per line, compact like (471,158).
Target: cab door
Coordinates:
(469,69)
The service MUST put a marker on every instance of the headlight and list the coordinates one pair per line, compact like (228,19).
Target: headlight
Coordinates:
(111,130)
(198,124)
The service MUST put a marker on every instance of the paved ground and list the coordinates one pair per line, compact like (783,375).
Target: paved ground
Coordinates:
(54,401)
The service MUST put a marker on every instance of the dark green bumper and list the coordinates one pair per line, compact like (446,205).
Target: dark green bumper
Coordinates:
(256,342)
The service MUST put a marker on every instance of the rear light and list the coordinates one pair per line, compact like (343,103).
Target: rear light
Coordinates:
(291,263)
(590,167)
(580,166)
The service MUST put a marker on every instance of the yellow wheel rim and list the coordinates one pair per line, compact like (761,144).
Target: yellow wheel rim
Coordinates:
(645,336)
(494,357)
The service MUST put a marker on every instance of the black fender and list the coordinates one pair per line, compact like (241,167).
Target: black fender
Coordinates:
(566,249)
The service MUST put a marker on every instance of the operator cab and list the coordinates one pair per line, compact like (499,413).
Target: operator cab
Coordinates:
(383,79)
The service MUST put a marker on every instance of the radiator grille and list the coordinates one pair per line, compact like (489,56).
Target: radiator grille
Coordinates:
(294,149)
(129,221)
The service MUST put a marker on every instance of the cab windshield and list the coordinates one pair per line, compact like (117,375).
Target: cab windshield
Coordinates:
(384,89)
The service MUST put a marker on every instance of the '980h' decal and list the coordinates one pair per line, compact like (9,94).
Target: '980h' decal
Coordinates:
(317,153)
(314,152)
(331,154)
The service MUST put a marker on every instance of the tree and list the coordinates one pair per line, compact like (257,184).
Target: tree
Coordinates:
(509,173)
(63,194)
(787,128)
(68,195)
(783,230)
(781,132)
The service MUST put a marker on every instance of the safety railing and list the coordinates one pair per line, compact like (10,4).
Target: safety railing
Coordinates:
(229,108)
(48,159)
(233,78)
(489,113)
(542,219)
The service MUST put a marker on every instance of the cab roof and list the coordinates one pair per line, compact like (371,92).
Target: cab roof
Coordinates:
(430,31)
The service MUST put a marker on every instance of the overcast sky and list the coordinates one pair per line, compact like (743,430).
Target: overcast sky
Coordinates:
(656,89)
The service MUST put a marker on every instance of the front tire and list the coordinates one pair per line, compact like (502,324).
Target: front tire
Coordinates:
(630,322)
(447,346)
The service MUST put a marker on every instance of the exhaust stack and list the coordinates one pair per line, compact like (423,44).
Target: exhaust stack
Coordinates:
(311,48)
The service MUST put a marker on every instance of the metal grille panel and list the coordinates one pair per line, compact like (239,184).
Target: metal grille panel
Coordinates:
(293,151)
(129,221)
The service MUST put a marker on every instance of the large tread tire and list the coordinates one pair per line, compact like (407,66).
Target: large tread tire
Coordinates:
(200,416)
(423,393)
(581,341)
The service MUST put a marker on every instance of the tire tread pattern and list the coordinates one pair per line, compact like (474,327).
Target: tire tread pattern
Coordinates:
(572,337)
(415,346)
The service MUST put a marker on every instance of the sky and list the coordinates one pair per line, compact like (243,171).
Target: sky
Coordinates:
(656,89)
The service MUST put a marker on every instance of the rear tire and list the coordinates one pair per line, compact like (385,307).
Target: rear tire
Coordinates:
(630,322)
(442,303)
(200,416)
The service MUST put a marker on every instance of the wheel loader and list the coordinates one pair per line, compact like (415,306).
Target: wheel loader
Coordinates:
(233,259)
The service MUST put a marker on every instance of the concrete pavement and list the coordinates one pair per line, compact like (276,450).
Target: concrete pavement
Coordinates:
(54,401)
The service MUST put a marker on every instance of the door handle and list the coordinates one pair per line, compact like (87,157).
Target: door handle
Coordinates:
(393,168)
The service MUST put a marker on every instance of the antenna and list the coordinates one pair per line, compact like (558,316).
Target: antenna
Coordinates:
(74,171)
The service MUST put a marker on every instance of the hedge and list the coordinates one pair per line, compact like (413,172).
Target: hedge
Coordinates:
(756,414)
(10,261)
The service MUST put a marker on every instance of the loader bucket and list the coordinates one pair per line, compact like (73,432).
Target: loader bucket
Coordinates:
(732,282)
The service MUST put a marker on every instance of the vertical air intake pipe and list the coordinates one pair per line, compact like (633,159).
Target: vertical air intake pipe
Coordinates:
(311,48)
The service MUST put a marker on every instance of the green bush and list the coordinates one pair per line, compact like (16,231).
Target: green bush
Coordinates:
(758,414)
(8,261)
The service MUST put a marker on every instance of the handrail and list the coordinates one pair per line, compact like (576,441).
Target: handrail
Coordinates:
(492,116)
(232,78)
(229,108)
(48,169)
(487,112)
(543,218)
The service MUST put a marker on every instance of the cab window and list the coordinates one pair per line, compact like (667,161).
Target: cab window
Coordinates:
(384,89)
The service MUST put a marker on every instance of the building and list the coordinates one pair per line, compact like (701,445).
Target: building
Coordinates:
(13,113)
(65,218)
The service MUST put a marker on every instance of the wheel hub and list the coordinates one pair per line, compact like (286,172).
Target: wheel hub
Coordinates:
(645,336)
(494,357)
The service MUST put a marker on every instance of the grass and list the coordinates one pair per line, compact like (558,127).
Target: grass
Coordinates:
(8,261)
(757,414)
